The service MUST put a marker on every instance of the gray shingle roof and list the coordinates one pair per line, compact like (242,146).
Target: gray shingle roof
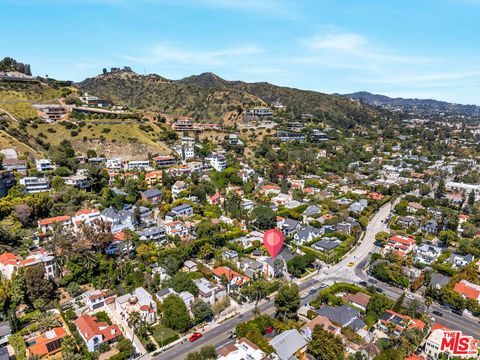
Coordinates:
(151,193)
(341,315)
(288,343)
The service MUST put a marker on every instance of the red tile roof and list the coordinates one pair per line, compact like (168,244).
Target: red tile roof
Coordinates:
(468,290)
(41,341)
(375,196)
(8,258)
(402,240)
(230,274)
(88,327)
(86,212)
(53,220)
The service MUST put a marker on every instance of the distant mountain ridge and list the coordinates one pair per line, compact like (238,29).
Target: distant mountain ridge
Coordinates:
(425,106)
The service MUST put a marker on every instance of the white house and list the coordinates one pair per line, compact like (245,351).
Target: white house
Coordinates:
(95,333)
(95,299)
(217,161)
(139,301)
(208,291)
(34,184)
(242,349)
(79,181)
(44,165)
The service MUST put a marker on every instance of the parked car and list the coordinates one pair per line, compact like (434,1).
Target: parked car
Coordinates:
(304,295)
(363,283)
(436,312)
(457,312)
(195,336)
(379,290)
(323,286)
(372,281)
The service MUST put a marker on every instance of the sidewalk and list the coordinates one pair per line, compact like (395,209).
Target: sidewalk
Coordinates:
(127,331)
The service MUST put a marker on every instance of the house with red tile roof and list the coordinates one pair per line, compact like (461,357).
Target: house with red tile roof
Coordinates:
(9,263)
(468,290)
(401,245)
(233,277)
(215,199)
(86,216)
(271,189)
(413,207)
(375,196)
(393,323)
(95,333)
(241,349)
(48,224)
(48,343)
(153,177)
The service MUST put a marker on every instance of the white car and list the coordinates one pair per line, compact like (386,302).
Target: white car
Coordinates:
(304,295)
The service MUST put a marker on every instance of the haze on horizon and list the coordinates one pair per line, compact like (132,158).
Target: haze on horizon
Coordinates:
(422,49)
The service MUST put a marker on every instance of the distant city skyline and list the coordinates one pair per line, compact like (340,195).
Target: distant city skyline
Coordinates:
(411,49)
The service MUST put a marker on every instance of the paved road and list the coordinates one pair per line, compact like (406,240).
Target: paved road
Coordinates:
(339,272)
(468,324)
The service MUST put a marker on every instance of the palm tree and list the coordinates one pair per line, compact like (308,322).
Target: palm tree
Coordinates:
(89,260)
(134,319)
(45,323)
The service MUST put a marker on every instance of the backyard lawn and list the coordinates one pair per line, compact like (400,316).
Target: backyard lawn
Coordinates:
(164,335)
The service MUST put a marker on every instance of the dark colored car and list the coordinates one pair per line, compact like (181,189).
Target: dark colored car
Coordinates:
(436,312)
(372,281)
(379,290)
(457,312)
(363,283)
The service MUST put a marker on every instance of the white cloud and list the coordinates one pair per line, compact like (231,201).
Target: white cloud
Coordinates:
(348,42)
(350,48)
(165,53)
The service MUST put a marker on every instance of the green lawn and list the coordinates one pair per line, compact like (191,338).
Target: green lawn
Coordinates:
(161,333)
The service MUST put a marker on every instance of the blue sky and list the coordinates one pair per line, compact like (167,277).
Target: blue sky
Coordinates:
(409,48)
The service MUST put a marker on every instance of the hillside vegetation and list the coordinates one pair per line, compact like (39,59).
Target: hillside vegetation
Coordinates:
(207,96)
(17,97)
(155,93)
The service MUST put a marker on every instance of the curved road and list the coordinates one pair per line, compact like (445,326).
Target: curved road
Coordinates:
(359,255)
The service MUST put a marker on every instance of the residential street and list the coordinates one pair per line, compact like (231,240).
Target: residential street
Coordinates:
(339,272)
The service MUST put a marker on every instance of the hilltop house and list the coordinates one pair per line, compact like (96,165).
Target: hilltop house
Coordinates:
(45,225)
(151,195)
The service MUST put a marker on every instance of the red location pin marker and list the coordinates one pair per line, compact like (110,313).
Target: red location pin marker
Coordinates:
(273,241)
